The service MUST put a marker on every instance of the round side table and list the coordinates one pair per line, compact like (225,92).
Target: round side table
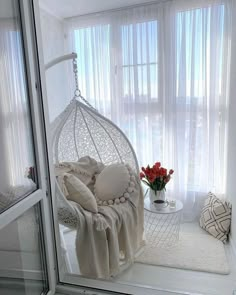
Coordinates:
(162,225)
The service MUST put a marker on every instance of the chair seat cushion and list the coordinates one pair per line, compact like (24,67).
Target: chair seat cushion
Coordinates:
(114,184)
(216,217)
(80,193)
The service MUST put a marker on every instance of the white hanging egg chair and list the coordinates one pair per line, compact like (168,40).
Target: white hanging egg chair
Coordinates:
(81,131)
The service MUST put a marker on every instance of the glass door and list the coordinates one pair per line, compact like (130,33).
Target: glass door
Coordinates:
(22,261)
(26,261)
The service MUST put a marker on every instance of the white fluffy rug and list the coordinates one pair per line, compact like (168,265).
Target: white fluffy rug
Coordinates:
(199,252)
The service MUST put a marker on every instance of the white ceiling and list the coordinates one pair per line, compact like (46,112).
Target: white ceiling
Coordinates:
(69,8)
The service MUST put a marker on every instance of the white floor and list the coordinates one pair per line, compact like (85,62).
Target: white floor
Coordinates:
(169,278)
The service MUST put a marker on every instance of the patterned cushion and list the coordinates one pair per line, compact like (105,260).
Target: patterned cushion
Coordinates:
(216,217)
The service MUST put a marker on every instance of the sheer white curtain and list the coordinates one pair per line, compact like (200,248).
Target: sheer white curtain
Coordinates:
(91,41)
(160,72)
(199,108)
(15,129)
(196,104)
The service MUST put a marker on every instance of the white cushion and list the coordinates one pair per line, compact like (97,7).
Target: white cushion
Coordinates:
(114,184)
(216,217)
(80,193)
(85,169)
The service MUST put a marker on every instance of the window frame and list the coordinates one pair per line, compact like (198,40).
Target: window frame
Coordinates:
(42,195)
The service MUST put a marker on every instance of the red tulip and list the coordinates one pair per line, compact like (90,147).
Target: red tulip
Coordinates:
(152,178)
(163,171)
(157,165)
(142,175)
(167,179)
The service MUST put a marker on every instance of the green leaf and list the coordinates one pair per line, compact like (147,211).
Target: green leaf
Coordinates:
(147,183)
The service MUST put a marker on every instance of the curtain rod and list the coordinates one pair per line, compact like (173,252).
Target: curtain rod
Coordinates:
(130,7)
(118,9)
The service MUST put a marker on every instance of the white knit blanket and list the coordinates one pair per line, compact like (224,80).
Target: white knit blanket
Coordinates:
(115,232)
(102,239)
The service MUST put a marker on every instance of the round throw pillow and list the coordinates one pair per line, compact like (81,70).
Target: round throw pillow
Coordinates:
(114,184)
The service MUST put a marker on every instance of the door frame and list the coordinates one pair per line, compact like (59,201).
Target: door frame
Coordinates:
(42,195)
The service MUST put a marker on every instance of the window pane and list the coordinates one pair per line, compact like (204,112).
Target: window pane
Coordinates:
(139,44)
(199,94)
(17,164)
(152,28)
(153,81)
(92,44)
(21,263)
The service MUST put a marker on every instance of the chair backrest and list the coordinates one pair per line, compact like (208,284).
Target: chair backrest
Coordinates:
(81,131)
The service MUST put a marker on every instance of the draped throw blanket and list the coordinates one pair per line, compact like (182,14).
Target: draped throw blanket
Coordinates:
(99,251)
(110,238)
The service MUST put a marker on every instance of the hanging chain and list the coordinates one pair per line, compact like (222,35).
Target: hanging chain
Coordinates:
(77,92)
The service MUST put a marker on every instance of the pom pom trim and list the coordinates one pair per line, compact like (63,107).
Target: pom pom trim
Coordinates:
(124,197)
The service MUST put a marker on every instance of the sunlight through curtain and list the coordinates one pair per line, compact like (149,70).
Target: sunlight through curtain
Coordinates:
(160,72)
(15,128)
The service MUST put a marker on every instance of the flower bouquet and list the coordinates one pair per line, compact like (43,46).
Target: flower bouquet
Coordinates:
(156,177)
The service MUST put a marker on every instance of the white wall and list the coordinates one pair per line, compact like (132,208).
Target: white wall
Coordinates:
(231,171)
(56,77)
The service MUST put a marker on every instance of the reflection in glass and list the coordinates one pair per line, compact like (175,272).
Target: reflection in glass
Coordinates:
(21,264)
(17,165)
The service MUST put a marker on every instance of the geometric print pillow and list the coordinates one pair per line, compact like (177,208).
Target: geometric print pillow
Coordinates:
(216,217)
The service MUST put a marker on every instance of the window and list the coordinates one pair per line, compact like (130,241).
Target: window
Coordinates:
(139,82)
(199,100)
(161,75)
(93,47)
(141,67)
(18,173)
(26,263)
